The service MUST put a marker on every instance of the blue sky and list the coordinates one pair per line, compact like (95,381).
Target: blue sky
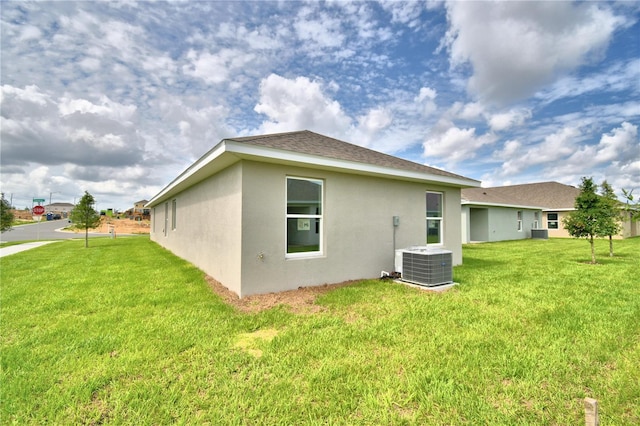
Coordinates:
(117,98)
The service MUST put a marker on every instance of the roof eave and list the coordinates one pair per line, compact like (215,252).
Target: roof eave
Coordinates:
(490,204)
(253,152)
(228,152)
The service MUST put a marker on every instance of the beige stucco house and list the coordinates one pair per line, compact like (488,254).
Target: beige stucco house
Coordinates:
(62,209)
(276,212)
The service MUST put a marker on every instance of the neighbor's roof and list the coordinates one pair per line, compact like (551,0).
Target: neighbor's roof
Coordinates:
(308,149)
(545,195)
(60,205)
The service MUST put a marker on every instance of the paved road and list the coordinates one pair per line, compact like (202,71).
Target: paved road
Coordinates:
(45,230)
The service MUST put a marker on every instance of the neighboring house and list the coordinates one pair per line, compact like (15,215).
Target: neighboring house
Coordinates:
(139,207)
(553,199)
(275,212)
(63,209)
(489,216)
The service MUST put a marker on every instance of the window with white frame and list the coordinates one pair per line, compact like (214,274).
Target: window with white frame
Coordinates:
(434,217)
(304,216)
(519,216)
(165,230)
(552,220)
(174,210)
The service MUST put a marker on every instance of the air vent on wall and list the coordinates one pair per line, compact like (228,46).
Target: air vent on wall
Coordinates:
(425,266)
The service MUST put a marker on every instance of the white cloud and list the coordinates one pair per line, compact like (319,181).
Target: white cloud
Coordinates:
(404,12)
(215,68)
(506,120)
(455,144)
(621,143)
(517,47)
(617,147)
(555,147)
(107,108)
(299,104)
(30,32)
(427,97)
(318,31)
(618,77)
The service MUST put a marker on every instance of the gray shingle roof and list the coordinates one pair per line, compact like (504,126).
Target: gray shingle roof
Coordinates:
(307,142)
(547,195)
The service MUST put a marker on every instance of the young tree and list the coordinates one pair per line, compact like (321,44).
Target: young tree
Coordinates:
(611,214)
(84,216)
(6,216)
(633,208)
(587,218)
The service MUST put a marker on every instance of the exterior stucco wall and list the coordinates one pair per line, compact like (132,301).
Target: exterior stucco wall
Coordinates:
(358,226)
(629,228)
(494,223)
(556,233)
(503,224)
(208,226)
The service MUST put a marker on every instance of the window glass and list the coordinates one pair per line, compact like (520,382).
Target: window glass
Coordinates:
(174,209)
(434,217)
(552,220)
(519,215)
(434,204)
(304,215)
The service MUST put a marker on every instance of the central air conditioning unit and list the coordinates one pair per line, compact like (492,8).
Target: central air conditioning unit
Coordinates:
(425,266)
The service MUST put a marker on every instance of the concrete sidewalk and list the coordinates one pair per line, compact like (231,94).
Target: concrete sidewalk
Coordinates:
(6,251)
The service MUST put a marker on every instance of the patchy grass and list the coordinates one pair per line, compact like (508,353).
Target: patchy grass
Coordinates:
(125,332)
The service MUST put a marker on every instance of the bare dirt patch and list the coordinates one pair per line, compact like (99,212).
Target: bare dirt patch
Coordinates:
(300,301)
(122,226)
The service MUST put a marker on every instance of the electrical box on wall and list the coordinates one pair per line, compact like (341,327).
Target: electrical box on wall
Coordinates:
(396,221)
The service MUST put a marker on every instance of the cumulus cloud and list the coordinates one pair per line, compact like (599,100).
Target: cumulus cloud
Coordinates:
(296,104)
(619,146)
(506,120)
(38,128)
(519,157)
(515,48)
(455,144)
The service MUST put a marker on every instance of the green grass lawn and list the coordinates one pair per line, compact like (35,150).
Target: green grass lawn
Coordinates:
(125,333)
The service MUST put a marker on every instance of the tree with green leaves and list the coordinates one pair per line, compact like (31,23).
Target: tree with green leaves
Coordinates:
(588,218)
(632,207)
(6,216)
(84,216)
(611,214)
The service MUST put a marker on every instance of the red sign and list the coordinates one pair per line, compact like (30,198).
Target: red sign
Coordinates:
(38,210)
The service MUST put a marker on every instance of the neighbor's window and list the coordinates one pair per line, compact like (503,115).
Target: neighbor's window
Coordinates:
(174,209)
(519,214)
(434,218)
(304,216)
(552,220)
